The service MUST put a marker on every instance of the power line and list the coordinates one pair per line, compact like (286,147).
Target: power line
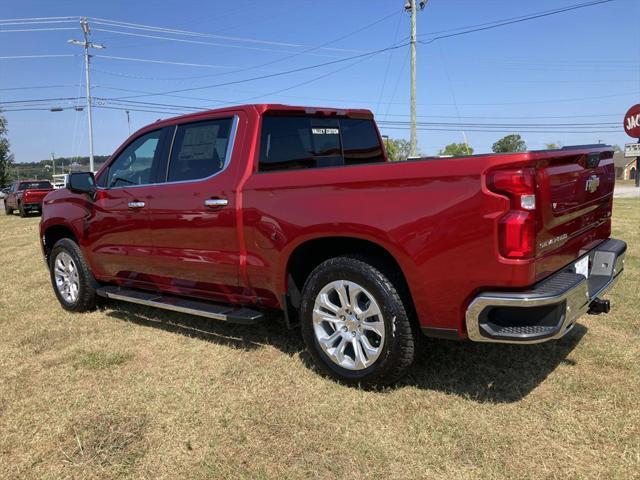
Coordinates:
(167,62)
(173,31)
(277,74)
(518,20)
(14,30)
(200,42)
(15,57)
(38,19)
(271,62)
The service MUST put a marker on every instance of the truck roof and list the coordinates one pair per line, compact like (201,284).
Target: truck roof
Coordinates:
(261,108)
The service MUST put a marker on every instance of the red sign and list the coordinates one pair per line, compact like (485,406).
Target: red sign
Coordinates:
(632,121)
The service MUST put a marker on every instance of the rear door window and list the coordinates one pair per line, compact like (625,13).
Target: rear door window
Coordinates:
(298,142)
(199,150)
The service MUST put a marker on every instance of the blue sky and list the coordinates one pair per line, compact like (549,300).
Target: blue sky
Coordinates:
(574,68)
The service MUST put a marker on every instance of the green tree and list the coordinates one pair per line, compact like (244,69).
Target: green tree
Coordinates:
(457,150)
(6,158)
(510,144)
(397,149)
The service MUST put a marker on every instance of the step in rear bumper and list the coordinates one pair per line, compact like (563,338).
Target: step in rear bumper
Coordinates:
(550,309)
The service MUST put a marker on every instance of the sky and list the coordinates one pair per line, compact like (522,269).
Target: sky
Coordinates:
(571,75)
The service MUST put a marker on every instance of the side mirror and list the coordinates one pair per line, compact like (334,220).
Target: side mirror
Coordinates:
(82,182)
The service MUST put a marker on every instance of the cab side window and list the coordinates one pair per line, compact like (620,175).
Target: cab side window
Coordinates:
(134,165)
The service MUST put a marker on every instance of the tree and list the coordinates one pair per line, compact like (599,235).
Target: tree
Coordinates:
(398,150)
(510,144)
(6,158)
(457,150)
(553,146)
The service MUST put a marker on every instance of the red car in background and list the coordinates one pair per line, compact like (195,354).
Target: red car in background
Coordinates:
(26,196)
(233,212)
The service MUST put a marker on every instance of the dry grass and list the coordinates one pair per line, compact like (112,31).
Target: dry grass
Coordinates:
(128,392)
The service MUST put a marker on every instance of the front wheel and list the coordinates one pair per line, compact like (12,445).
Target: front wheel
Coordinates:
(355,324)
(72,281)
(7,209)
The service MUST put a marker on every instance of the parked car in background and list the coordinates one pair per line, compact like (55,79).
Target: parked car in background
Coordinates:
(4,192)
(26,196)
(233,212)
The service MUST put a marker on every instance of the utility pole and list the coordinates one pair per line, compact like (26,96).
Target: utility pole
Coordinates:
(128,121)
(53,163)
(86,44)
(411,7)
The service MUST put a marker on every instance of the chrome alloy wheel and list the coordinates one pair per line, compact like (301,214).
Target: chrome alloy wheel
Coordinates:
(67,279)
(348,325)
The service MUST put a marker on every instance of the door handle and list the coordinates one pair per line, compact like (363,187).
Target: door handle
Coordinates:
(135,205)
(216,202)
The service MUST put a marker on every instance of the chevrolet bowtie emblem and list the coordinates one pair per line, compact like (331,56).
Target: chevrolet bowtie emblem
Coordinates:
(593,182)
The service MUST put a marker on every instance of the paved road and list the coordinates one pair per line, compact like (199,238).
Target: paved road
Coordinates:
(626,191)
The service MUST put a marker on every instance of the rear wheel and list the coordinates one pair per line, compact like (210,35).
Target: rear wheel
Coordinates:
(71,278)
(355,324)
(7,209)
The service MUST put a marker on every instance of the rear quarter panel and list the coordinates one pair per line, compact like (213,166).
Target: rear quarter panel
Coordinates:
(435,217)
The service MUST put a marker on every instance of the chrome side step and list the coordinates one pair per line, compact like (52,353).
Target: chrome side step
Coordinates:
(239,315)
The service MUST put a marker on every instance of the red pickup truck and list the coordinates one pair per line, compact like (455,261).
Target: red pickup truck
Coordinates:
(233,212)
(26,196)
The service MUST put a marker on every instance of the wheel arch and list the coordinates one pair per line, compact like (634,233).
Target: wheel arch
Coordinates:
(54,233)
(307,255)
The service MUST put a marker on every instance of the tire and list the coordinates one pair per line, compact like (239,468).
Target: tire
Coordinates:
(22,211)
(7,209)
(85,297)
(395,350)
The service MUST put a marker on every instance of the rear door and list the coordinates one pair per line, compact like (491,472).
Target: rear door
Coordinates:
(192,213)
(119,226)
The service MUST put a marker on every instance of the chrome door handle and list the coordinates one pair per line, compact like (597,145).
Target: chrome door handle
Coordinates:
(216,202)
(135,204)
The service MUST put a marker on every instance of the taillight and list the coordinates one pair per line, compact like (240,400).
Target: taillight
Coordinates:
(517,227)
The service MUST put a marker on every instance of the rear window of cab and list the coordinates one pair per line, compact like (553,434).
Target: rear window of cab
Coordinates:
(299,142)
(34,186)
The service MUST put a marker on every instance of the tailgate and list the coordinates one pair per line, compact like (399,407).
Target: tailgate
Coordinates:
(35,196)
(575,195)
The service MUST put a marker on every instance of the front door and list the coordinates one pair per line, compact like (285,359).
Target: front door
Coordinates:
(121,247)
(192,214)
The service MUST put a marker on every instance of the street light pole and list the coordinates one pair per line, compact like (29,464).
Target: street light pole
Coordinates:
(86,44)
(53,163)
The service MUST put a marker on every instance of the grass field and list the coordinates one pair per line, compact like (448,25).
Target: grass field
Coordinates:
(128,392)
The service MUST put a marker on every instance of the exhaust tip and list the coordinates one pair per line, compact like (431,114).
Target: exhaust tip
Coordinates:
(598,306)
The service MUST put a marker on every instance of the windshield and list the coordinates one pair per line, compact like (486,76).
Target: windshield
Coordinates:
(34,185)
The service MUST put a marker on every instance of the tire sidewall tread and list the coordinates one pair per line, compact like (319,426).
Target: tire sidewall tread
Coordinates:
(87,289)
(399,348)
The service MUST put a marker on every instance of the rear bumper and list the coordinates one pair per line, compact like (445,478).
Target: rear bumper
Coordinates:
(550,308)
(33,206)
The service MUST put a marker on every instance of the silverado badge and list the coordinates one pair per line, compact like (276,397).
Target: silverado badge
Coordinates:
(593,182)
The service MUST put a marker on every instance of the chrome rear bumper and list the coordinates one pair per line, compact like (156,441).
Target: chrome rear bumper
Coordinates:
(550,309)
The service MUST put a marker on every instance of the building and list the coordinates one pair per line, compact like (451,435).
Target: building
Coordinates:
(625,167)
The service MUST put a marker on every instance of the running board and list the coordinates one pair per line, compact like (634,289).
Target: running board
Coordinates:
(239,315)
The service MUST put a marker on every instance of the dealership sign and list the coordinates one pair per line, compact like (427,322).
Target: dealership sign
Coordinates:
(632,121)
(632,150)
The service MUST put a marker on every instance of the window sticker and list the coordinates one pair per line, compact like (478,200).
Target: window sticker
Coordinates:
(325,131)
(199,142)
